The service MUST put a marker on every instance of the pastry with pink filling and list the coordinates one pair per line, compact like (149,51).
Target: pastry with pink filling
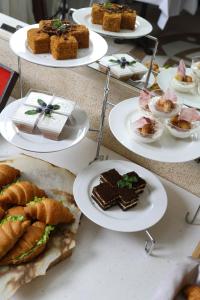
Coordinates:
(183,82)
(146,130)
(165,106)
(144,99)
(185,123)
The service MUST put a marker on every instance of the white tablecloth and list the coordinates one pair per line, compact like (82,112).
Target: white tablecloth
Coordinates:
(170,8)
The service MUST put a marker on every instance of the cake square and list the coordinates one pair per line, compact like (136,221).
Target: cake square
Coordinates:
(52,125)
(139,183)
(111,177)
(38,41)
(127,198)
(97,13)
(105,195)
(112,21)
(64,47)
(128,19)
(33,97)
(23,121)
(66,106)
(81,34)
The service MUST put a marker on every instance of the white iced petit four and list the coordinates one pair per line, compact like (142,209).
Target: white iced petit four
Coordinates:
(65,106)
(165,106)
(122,66)
(24,119)
(33,97)
(183,83)
(52,125)
(146,130)
(185,123)
(196,68)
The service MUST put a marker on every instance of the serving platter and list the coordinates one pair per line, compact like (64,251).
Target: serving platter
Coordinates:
(71,135)
(149,210)
(164,80)
(167,149)
(83,16)
(97,49)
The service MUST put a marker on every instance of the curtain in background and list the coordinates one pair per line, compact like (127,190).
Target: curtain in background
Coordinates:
(39,10)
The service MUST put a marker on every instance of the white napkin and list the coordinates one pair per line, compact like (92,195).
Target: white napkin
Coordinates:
(183,273)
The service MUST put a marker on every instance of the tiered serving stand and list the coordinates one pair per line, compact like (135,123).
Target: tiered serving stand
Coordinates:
(98,49)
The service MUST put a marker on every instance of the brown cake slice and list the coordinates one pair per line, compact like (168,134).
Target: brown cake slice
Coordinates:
(111,177)
(105,195)
(112,21)
(64,47)
(81,33)
(139,184)
(128,198)
(97,13)
(38,41)
(128,19)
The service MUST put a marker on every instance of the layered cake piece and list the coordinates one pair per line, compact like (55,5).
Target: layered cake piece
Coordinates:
(55,27)
(128,19)
(128,198)
(138,183)
(25,121)
(112,21)
(111,177)
(38,41)
(64,47)
(81,34)
(97,13)
(105,195)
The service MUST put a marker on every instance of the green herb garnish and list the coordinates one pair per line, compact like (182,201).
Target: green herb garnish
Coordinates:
(35,200)
(107,5)
(56,23)
(127,181)
(43,108)
(123,62)
(12,219)
(31,112)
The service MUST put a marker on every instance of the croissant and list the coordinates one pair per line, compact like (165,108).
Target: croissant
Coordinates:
(8,174)
(30,245)
(16,211)
(2,213)
(49,211)
(11,229)
(20,193)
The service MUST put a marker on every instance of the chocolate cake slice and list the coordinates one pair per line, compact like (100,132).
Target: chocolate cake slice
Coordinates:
(111,177)
(138,184)
(128,198)
(105,195)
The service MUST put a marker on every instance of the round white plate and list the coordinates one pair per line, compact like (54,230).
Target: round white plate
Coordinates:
(71,135)
(150,209)
(143,80)
(167,149)
(83,16)
(164,80)
(97,49)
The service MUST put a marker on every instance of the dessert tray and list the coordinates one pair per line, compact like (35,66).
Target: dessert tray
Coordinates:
(83,16)
(72,135)
(164,81)
(149,211)
(97,49)
(166,149)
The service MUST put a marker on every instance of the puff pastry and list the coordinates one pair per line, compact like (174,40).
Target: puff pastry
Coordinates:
(30,245)
(20,193)
(2,213)
(8,174)
(16,211)
(49,211)
(192,292)
(11,229)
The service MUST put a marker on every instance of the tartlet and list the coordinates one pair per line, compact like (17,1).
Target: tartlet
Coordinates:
(144,100)
(183,82)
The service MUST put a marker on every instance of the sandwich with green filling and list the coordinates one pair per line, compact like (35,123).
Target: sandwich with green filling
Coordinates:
(30,245)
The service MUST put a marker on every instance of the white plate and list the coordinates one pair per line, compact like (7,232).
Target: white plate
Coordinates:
(167,149)
(150,209)
(97,49)
(83,16)
(142,81)
(71,135)
(164,80)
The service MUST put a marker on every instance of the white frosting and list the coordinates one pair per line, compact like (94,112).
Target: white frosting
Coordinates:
(21,118)
(54,123)
(183,87)
(66,106)
(32,98)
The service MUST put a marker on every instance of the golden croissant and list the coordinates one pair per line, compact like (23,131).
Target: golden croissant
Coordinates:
(49,211)
(11,229)
(2,213)
(30,245)
(192,292)
(16,211)
(20,193)
(8,174)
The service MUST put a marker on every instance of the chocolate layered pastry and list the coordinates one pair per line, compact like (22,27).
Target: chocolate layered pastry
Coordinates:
(105,195)
(128,198)
(138,183)
(111,177)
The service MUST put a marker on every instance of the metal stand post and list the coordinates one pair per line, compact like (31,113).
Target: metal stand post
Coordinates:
(150,243)
(191,222)
(152,58)
(20,76)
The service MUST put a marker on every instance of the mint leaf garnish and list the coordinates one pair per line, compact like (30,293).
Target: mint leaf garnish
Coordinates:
(31,112)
